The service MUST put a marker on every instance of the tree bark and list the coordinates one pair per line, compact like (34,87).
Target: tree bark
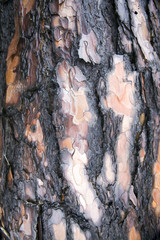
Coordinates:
(79,119)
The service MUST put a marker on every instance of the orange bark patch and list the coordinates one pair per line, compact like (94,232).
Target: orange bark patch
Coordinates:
(12,95)
(154,204)
(156,201)
(156,186)
(10,77)
(13,58)
(22,210)
(55,21)
(157,181)
(133,234)
(10,177)
(1,212)
(158,157)
(156,195)
(12,63)
(142,153)
(28,5)
(156,168)
(67,143)
(12,49)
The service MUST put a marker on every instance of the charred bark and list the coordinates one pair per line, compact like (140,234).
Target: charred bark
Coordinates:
(79,119)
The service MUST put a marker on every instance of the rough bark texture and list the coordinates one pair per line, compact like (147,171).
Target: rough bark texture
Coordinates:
(79,119)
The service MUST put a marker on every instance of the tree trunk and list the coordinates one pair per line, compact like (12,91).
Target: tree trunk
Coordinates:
(79,119)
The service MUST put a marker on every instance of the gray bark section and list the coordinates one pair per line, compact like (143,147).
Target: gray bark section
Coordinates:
(102,17)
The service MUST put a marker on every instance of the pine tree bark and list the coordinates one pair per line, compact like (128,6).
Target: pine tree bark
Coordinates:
(79,119)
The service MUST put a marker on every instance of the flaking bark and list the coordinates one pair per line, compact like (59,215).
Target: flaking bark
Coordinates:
(79,119)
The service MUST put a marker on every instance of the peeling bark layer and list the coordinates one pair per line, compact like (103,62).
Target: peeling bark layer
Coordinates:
(79,119)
